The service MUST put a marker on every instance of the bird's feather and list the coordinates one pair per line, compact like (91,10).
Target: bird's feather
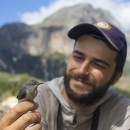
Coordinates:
(22,94)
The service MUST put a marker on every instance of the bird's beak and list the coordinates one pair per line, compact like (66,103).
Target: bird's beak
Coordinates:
(38,84)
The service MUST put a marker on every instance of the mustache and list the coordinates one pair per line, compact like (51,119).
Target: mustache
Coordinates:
(84,78)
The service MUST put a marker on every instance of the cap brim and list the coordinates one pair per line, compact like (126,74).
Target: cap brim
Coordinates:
(84,28)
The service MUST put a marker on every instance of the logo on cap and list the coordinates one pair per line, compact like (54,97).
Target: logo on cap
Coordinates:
(103,25)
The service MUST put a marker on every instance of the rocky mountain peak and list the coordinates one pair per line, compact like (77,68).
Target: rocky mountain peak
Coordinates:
(70,16)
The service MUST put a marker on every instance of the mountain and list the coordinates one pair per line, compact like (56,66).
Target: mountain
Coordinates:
(22,47)
(70,16)
(13,37)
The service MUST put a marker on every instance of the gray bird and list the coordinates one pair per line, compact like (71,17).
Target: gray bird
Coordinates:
(28,91)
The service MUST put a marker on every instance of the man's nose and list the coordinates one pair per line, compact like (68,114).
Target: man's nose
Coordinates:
(84,68)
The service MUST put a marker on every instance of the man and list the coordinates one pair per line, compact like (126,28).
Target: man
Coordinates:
(83,99)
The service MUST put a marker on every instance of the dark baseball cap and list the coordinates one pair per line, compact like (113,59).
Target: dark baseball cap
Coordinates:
(105,30)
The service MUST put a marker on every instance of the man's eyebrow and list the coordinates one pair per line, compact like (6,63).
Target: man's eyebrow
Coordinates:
(78,52)
(102,61)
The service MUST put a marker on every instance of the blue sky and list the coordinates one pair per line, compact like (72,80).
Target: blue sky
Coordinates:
(35,11)
(10,10)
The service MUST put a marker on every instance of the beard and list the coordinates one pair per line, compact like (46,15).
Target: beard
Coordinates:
(91,96)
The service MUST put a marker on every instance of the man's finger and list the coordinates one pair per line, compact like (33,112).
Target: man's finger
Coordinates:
(17,111)
(25,120)
(36,126)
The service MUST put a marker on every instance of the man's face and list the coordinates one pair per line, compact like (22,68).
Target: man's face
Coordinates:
(90,70)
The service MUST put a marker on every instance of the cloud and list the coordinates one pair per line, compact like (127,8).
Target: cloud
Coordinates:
(118,8)
(31,18)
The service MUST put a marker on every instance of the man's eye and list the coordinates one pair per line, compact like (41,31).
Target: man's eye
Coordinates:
(98,65)
(77,57)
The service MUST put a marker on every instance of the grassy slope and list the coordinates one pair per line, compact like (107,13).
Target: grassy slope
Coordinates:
(11,83)
(123,86)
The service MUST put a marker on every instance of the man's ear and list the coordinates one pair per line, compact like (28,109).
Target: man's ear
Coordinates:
(117,77)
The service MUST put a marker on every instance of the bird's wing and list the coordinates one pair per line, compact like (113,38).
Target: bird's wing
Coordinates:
(22,94)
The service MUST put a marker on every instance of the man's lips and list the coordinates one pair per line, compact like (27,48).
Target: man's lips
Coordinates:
(82,81)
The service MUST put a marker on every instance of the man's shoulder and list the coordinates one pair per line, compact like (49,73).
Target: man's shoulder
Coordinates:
(47,87)
(117,105)
(117,100)
(120,99)
(115,112)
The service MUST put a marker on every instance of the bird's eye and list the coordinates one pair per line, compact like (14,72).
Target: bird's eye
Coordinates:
(35,83)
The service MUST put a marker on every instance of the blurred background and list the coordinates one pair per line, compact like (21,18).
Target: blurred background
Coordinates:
(34,42)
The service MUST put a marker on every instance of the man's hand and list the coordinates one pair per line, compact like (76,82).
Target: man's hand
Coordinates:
(21,116)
